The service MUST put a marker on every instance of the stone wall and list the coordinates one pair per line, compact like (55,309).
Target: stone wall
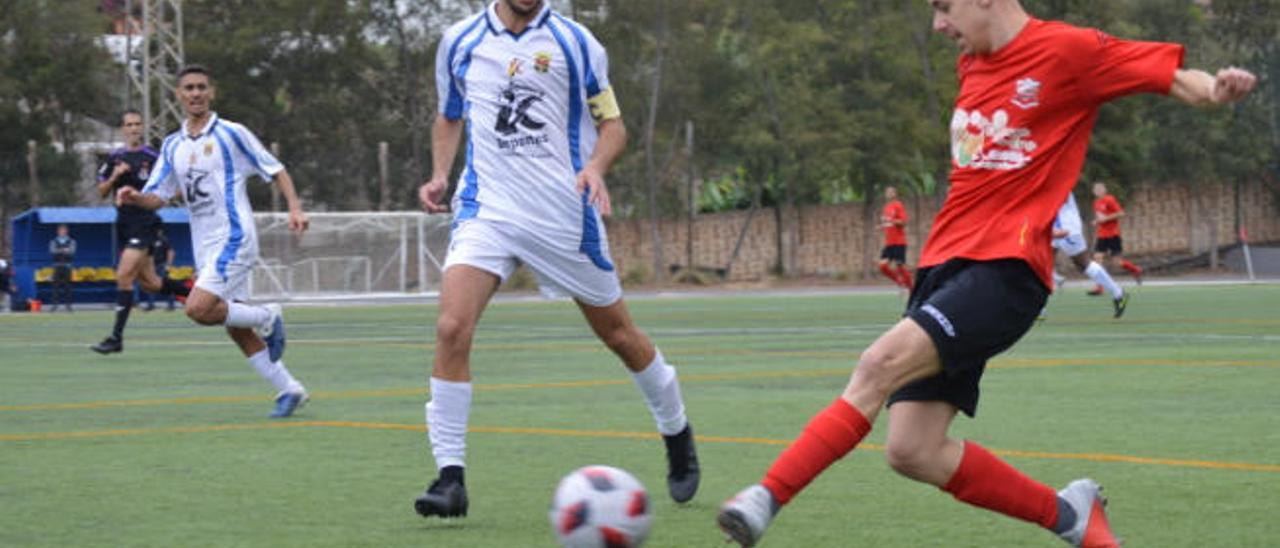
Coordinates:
(835,240)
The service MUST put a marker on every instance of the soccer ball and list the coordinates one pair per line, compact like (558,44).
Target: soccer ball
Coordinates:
(600,507)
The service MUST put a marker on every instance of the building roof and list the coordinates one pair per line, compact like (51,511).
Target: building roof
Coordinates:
(93,215)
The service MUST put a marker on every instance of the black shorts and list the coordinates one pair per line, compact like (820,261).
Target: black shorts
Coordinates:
(61,273)
(137,233)
(1110,246)
(972,310)
(895,253)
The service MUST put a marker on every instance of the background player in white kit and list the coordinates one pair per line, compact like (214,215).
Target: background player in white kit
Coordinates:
(543,126)
(1068,237)
(210,160)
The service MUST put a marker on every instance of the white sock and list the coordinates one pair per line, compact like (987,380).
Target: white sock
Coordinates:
(447,414)
(1104,279)
(275,373)
(1058,278)
(246,315)
(661,391)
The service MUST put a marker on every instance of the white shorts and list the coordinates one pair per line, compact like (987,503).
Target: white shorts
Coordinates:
(1071,244)
(561,270)
(234,287)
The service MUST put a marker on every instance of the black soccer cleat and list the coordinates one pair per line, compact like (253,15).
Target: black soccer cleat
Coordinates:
(445,498)
(1120,304)
(109,345)
(683,473)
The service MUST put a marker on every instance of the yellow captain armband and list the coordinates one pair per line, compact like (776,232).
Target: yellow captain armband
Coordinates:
(604,105)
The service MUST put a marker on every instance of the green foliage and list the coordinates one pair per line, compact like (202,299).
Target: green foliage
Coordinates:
(795,101)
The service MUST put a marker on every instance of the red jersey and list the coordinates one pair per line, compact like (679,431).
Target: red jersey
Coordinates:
(1020,132)
(1108,205)
(894,234)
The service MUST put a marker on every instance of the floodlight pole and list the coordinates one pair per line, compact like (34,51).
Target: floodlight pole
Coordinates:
(151,68)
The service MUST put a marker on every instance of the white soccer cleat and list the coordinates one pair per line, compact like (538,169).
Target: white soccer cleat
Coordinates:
(1091,529)
(745,516)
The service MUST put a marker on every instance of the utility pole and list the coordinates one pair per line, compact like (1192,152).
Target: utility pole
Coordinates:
(154,55)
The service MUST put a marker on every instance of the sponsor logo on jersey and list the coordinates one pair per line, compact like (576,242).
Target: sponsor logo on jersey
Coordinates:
(514,116)
(989,143)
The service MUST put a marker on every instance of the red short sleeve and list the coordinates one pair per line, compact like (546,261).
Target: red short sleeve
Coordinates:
(1126,67)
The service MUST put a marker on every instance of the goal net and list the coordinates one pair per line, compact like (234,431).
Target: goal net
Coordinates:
(350,255)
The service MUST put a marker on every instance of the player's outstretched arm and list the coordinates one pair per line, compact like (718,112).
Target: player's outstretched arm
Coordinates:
(1197,87)
(612,141)
(298,221)
(131,196)
(445,136)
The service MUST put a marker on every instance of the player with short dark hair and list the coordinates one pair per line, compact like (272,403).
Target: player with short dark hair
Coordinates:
(1109,246)
(209,160)
(893,257)
(1030,91)
(136,227)
(543,127)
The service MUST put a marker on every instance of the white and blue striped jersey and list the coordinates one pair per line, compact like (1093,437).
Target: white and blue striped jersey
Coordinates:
(210,170)
(531,102)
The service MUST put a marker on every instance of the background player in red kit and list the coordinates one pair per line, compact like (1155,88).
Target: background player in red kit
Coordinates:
(1029,94)
(893,258)
(1106,216)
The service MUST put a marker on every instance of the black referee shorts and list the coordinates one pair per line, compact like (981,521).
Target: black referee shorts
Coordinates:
(972,310)
(137,233)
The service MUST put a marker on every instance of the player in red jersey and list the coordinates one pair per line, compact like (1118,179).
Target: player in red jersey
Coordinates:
(893,258)
(1029,93)
(1106,216)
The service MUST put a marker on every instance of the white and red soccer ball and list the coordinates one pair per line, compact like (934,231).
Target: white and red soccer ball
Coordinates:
(600,507)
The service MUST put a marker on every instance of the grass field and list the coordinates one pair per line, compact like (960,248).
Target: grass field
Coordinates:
(1175,409)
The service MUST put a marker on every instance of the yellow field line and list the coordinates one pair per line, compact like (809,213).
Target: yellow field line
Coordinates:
(562,432)
(1008,363)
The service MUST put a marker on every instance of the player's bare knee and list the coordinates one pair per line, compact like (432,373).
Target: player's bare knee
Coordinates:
(453,329)
(202,314)
(909,459)
(875,372)
(618,339)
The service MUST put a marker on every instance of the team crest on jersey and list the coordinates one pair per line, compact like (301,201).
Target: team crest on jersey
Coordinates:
(542,61)
(989,143)
(144,172)
(513,68)
(208,149)
(1026,93)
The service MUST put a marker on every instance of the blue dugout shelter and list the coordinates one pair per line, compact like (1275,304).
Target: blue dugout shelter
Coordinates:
(94,229)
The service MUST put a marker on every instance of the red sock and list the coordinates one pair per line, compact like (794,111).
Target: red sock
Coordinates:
(985,481)
(888,272)
(1132,268)
(830,435)
(905,276)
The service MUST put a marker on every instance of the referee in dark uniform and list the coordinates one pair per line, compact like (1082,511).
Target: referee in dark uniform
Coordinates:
(136,227)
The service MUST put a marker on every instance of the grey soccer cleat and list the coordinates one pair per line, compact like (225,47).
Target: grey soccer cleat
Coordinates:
(683,472)
(1091,529)
(745,516)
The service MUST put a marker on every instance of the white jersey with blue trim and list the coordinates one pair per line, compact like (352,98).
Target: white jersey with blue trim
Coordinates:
(210,170)
(530,102)
(1068,218)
